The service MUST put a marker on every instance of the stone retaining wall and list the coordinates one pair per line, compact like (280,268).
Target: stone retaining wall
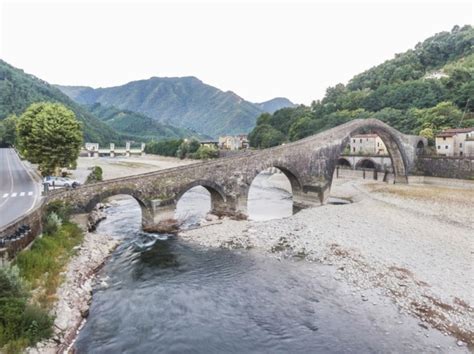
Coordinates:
(33,220)
(445,167)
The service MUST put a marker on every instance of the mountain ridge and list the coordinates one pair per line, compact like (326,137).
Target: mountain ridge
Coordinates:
(185,102)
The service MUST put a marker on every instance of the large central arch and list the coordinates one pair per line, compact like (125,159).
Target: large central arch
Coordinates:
(392,142)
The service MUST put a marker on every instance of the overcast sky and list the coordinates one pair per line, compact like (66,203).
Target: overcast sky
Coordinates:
(259,50)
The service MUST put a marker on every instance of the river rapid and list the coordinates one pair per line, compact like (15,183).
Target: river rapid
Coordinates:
(160,294)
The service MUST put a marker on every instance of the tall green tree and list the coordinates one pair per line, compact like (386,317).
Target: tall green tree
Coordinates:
(8,130)
(49,135)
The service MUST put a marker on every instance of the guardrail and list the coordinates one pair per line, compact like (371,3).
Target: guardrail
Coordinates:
(20,232)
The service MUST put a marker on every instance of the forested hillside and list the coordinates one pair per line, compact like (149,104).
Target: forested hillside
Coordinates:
(185,102)
(421,91)
(18,90)
(137,126)
(273,105)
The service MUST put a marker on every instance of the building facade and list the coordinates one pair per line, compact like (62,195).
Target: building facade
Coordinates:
(455,142)
(367,144)
(231,142)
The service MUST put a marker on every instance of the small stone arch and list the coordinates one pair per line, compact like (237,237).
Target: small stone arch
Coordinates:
(147,212)
(292,176)
(367,163)
(420,148)
(99,197)
(218,197)
(295,187)
(343,162)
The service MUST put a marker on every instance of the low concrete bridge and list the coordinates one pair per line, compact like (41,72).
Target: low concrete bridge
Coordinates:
(308,163)
(378,162)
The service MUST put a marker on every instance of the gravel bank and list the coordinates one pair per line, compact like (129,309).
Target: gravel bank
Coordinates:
(414,244)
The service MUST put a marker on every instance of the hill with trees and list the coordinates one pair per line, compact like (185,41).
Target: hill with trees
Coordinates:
(18,90)
(420,91)
(185,102)
(273,105)
(137,126)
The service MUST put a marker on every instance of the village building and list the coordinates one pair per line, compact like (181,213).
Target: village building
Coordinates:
(233,142)
(367,144)
(455,142)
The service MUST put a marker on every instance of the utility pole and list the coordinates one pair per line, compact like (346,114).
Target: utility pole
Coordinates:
(463,113)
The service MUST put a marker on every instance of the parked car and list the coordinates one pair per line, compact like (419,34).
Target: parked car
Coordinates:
(54,181)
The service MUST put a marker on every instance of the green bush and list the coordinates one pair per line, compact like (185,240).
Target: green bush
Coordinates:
(206,152)
(95,175)
(187,149)
(52,224)
(61,209)
(21,323)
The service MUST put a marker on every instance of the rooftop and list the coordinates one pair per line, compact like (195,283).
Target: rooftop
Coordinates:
(454,131)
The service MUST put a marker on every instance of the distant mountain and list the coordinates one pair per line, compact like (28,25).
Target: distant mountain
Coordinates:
(138,126)
(275,104)
(18,90)
(185,102)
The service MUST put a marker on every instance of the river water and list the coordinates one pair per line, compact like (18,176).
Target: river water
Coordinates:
(159,294)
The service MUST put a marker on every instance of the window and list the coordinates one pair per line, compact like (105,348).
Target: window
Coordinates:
(367,139)
(439,147)
(354,149)
(360,140)
(444,138)
(446,147)
(460,153)
(378,144)
(460,145)
(353,140)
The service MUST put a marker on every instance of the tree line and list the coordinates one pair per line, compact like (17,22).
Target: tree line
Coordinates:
(182,148)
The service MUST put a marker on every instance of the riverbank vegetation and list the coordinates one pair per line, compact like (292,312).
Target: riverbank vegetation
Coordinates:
(28,286)
(425,89)
(182,148)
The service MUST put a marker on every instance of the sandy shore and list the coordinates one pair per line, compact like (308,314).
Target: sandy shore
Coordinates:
(411,243)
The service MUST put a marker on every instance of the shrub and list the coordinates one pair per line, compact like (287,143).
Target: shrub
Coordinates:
(52,224)
(95,175)
(21,323)
(61,209)
(206,152)
(188,149)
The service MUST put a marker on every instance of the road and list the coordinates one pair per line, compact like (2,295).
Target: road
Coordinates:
(19,192)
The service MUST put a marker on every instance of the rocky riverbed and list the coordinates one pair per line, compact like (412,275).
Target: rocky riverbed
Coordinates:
(75,293)
(411,243)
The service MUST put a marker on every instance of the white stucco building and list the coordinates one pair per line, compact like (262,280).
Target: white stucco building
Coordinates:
(367,144)
(455,142)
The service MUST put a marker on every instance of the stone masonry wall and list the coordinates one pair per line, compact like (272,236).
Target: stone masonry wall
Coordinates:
(446,167)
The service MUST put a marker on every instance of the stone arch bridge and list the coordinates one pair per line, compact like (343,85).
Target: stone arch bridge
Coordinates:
(308,163)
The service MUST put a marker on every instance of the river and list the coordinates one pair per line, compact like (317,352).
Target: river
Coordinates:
(159,294)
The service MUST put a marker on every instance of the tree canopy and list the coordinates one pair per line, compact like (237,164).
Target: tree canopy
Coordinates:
(49,135)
